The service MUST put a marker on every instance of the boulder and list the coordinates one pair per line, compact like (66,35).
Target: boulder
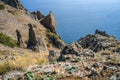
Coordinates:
(53,56)
(70,52)
(93,74)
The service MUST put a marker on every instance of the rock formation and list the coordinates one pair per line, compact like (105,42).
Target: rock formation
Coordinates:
(103,33)
(37,15)
(49,22)
(73,52)
(19,38)
(14,3)
(99,41)
(32,42)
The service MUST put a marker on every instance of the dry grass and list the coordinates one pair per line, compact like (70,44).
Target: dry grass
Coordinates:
(105,52)
(115,60)
(21,61)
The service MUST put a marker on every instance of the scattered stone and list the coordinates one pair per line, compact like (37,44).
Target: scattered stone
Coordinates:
(93,74)
(95,65)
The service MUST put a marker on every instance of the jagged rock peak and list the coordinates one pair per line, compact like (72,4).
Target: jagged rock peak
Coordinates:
(37,15)
(14,3)
(49,22)
(99,41)
(103,33)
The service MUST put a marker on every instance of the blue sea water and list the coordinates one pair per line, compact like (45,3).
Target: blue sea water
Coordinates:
(77,18)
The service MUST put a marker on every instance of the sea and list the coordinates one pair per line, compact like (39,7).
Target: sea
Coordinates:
(77,18)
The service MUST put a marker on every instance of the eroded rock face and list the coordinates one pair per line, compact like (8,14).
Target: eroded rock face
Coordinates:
(14,3)
(49,22)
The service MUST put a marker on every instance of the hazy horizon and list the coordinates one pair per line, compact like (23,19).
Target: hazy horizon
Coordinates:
(77,18)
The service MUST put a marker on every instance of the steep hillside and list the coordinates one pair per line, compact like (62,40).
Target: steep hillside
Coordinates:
(23,39)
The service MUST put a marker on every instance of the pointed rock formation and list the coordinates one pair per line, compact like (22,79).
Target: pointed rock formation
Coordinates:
(14,3)
(32,42)
(37,15)
(19,38)
(49,22)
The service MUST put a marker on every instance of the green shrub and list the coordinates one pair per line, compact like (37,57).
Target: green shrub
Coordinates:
(7,40)
(2,7)
(29,75)
(70,69)
(54,39)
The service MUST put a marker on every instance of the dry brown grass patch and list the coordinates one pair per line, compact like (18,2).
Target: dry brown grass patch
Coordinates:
(21,61)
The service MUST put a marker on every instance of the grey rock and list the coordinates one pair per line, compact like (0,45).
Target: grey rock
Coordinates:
(53,56)
(93,74)
(70,52)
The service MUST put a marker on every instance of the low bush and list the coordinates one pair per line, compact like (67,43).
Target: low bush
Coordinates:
(54,39)
(7,40)
(2,7)
(105,52)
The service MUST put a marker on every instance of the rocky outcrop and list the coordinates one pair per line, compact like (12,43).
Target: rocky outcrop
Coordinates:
(55,40)
(14,3)
(103,33)
(19,38)
(37,15)
(99,41)
(73,52)
(49,22)
(32,42)
(53,56)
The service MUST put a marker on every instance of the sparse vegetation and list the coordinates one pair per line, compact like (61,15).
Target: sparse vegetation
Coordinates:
(7,40)
(2,7)
(54,39)
(105,52)
(20,62)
